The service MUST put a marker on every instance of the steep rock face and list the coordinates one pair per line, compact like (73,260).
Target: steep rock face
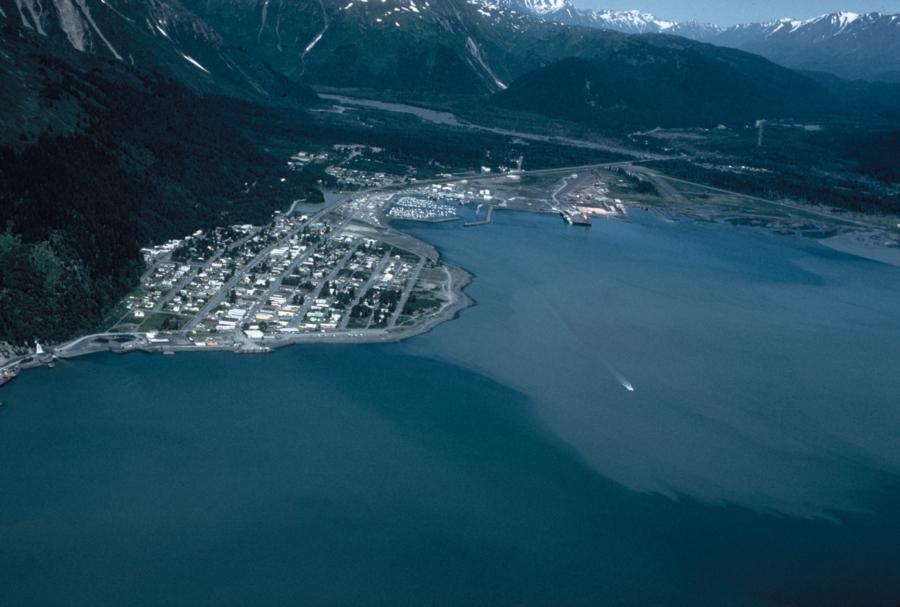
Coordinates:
(452,46)
(400,44)
(158,35)
(71,18)
(444,47)
(467,47)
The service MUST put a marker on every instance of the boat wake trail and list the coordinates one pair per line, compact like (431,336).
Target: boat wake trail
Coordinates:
(621,379)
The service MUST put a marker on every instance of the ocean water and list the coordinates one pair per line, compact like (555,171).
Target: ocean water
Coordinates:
(499,459)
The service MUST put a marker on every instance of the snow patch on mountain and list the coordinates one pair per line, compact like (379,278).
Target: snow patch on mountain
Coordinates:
(845,19)
(194,62)
(638,22)
(633,21)
(545,7)
(824,26)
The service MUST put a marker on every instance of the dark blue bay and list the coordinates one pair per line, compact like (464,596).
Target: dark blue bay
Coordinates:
(498,459)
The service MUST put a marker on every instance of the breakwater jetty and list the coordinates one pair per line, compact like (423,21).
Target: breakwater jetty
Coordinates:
(488,218)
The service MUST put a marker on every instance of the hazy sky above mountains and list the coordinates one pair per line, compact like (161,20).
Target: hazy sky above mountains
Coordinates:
(729,12)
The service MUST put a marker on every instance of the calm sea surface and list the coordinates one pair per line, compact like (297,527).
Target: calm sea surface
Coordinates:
(499,459)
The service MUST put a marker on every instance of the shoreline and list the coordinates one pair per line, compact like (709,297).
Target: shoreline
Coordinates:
(866,245)
(459,301)
(872,245)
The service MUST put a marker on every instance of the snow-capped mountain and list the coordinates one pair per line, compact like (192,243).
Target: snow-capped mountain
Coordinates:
(850,45)
(637,22)
(187,38)
(544,7)
(565,12)
(435,46)
(627,21)
(817,30)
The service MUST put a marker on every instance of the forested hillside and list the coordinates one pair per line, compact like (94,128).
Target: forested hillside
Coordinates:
(109,160)
(664,84)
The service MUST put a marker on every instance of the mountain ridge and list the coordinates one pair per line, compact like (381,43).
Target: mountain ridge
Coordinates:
(158,35)
(864,46)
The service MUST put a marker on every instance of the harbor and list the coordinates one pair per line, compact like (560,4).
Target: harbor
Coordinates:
(576,218)
(488,218)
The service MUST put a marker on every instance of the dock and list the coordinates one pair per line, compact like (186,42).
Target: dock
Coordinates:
(576,218)
(487,218)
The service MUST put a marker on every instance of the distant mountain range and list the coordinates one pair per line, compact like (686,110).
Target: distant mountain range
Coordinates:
(849,45)
(256,48)
(263,50)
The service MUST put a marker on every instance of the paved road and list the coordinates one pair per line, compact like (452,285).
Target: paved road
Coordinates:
(83,344)
(314,294)
(407,290)
(569,182)
(276,284)
(214,302)
(361,292)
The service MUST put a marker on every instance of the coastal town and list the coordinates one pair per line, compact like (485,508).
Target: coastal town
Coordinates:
(332,272)
(341,271)
(335,272)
